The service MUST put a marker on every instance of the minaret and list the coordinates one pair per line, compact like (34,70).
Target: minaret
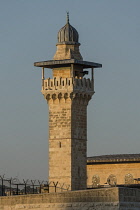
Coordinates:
(67,95)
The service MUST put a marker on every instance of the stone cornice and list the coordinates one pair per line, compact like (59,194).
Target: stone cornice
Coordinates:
(110,159)
(58,97)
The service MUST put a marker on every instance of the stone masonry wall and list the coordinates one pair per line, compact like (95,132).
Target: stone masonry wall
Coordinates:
(99,199)
(79,142)
(67,142)
(60,72)
(67,99)
(67,96)
(60,142)
(118,169)
(67,52)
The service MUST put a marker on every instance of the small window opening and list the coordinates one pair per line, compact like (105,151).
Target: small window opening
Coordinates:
(78,171)
(60,144)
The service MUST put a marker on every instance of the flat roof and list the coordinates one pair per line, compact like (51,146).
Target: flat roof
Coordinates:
(116,158)
(67,62)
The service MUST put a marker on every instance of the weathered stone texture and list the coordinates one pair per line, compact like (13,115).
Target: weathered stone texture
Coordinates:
(59,72)
(68,142)
(120,170)
(67,52)
(100,199)
(68,96)
(60,142)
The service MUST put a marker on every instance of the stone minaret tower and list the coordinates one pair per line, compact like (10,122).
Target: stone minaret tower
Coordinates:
(67,95)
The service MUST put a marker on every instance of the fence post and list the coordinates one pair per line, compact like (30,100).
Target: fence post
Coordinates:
(40,183)
(2,187)
(55,185)
(25,185)
(33,185)
(25,189)
(48,185)
(2,181)
(17,189)
(10,181)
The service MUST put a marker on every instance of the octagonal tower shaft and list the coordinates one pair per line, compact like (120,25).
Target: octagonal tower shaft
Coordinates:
(68,97)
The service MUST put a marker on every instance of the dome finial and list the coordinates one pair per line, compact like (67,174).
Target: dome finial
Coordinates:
(67,17)
(68,33)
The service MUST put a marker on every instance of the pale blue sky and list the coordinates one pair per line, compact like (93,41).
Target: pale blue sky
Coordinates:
(109,33)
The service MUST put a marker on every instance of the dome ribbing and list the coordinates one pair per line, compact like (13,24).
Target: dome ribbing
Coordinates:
(68,34)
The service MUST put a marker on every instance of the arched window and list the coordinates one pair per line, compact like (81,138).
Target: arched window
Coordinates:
(112,180)
(129,179)
(95,181)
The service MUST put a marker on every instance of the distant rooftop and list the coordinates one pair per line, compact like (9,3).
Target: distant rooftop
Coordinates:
(114,158)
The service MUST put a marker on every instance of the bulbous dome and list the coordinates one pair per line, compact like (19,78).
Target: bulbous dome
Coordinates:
(68,34)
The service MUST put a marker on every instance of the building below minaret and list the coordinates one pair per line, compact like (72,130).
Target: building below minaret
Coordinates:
(67,95)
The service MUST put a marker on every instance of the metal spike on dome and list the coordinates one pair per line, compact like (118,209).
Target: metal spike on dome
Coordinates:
(67,17)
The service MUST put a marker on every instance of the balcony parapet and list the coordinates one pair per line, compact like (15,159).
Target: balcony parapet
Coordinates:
(68,84)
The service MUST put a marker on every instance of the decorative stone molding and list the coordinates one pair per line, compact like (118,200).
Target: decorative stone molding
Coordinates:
(60,83)
(79,90)
(77,97)
(129,179)
(95,181)
(112,180)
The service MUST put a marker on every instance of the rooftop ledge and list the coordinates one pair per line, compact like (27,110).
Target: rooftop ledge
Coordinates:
(62,63)
(116,158)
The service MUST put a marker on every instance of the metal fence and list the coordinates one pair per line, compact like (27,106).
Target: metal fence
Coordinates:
(13,186)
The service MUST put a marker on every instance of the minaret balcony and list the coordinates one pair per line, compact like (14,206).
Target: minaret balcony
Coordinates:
(67,84)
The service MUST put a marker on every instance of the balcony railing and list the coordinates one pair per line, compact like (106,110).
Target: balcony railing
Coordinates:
(68,83)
